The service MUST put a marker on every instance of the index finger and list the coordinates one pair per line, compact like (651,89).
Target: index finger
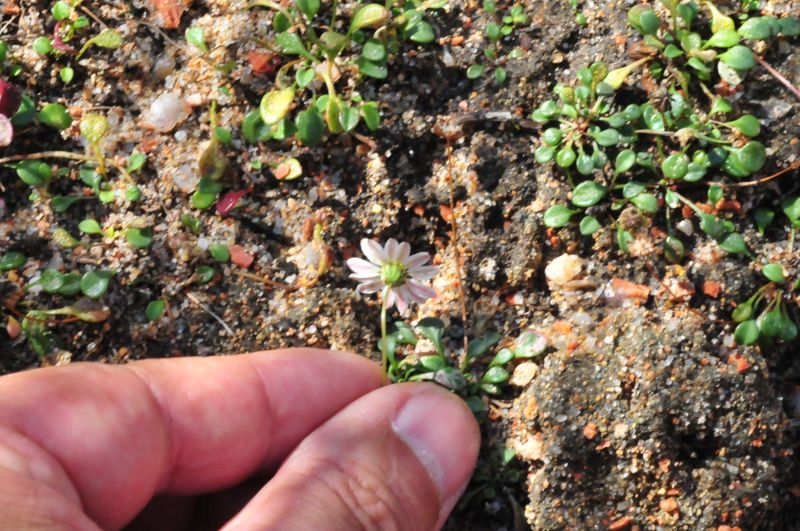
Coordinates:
(121,434)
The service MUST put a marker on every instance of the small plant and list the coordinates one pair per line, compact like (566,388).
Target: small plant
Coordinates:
(501,27)
(766,317)
(320,52)
(681,55)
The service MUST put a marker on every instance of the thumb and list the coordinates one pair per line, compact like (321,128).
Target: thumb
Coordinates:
(397,458)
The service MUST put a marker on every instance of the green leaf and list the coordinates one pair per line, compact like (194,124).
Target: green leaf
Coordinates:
(371,114)
(433,362)
(67,74)
(155,309)
(588,193)
(61,203)
(763,217)
(791,207)
(632,189)
(774,272)
(725,38)
(584,164)
(674,249)
(475,71)
(646,203)
(33,172)
(623,238)
(500,75)
(552,136)
(11,260)
(141,238)
(495,375)
(433,329)
(374,70)
(715,194)
(290,43)
(305,76)
(90,177)
(746,333)
(503,357)
(60,10)
(136,161)
(308,7)
(747,124)
(374,50)
(288,170)
(529,344)
(422,33)
(624,161)
(712,226)
(734,243)
(94,127)
(275,105)
(349,118)
(197,38)
(204,274)
(558,216)
(403,333)
(720,106)
(746,160)
(756,28)
(478,347)
(790,26)
(55,115)
(544,154)
(369,16)
(95,283)
(565,157)
(739,58)
(675,166)
(310,126)
(742,312)
(333,42)
(219,252)
(254,130)
(90,226)
(771,324)
(106,196)
(108,38)
(42,45)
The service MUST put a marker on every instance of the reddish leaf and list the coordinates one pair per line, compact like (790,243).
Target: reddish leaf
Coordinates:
(10,98)
(170,11)
(229,201)
(59,44)
(240,257)
(263,62)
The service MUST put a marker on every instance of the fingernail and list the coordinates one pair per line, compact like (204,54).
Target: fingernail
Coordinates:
(443,434)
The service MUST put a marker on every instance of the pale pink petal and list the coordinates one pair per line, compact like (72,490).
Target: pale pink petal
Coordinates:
(416,260)
(373,251)
(391,249)
(370,287)
(421,293)
(391,297)
(423,272)
(403,298)
(403,251)
(362,267)
(365,278)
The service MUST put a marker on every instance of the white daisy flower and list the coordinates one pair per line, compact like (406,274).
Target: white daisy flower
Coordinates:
(393,269)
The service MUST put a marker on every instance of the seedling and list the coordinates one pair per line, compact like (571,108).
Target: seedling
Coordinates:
(773,304)
(355,48)
(500,27)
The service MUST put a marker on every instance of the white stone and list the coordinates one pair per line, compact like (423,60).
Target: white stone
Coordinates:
(167,111)
(564,268)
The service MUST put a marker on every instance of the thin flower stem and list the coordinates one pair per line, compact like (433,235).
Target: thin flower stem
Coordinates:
(777,75)
(384,345)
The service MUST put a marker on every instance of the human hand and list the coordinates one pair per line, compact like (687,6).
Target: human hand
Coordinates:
(91,446)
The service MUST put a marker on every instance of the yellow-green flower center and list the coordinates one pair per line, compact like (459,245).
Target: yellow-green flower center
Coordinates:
(393,273)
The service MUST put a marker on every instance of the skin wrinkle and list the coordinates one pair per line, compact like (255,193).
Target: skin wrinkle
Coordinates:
(167,425)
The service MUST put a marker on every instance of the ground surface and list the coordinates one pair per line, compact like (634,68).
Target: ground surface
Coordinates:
(649,414)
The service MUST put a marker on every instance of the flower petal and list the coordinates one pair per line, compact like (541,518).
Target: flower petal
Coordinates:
(403,298)
(370,287)
(419,292)
(390,298)
(423,272)
(416,260)
(403,251)
(373,251)
(365,278)
(362,267)
(391,249)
